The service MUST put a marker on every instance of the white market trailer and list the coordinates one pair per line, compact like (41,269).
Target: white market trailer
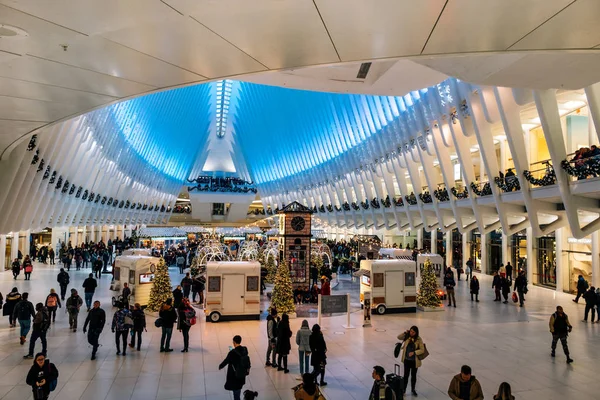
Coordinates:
(392,284)
(232,290)
(399,254)
(138,272)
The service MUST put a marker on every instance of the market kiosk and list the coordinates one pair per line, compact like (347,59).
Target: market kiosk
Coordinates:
(391,284)
(138,272)
(232,290)
(398,254)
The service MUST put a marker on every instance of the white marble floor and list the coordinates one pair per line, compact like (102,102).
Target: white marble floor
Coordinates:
(500,342)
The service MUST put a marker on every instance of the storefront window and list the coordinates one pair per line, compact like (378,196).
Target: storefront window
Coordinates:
(457,258)
(518,250)
(546,261)
(579,260)
(475,249)
(495,250)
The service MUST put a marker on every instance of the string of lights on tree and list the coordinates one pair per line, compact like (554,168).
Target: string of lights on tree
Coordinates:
(583,168)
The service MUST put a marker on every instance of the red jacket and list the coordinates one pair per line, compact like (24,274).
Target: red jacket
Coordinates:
(325,289)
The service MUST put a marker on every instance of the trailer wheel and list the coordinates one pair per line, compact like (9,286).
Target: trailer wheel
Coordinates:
(381,309)
(215,316)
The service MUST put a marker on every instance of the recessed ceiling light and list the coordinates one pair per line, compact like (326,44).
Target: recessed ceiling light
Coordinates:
(9,31)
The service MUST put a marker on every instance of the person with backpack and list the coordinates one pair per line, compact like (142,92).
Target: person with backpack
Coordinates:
(284,333)
(23,312)
(63,280)
(308,389)
(139,325)
(52,303)
(96,319)
(168,316)
(16,268)
(449,283)
(89,288)
(74,303)
(412,348)
(302,340)
(474,286)
(41,324)
(560,327)
(42,377)
(590,303)
(187,318)
(582,286)
(12,299)
(380,389)
(318,350)
(272,337)
(121,324)
(238,367)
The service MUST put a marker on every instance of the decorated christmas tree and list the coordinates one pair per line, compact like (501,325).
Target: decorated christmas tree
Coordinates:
(271,269)
(195,268)
(161,290)
(282,297)
(428,296)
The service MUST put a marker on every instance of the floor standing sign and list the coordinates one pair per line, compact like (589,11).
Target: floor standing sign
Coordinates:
(335,304)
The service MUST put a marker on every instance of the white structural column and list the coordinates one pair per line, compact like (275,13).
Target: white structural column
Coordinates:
(448,236)
(484,253)
(26,245)
(3,260)
(465,250)
(420,238)
(531,261)
(433,241)
(562,267)
(14,245)
(505,255)
(595,259)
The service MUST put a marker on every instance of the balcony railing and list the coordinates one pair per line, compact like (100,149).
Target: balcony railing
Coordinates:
(582,168)
(545,176)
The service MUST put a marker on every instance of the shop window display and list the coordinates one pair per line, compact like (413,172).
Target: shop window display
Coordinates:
(546,261)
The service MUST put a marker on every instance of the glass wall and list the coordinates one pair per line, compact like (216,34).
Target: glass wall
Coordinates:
(546,261)
(518,250)
(579,260)
(475,249)
(457,256)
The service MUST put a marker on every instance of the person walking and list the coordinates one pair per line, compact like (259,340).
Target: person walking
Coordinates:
(504,392)
(51,255)
(238,366)
(97,267)
(168,317)
(139,325)
(582,286)
(272,337)
(74,303)
(303,342)
(474,286)
(502,270)
(186,284)
(16,268)
(465,386)
(560,327)
(459,271)
(325,287)
(180,261)
(380,389)
(197,288)
(590,303)
(23,312)
(41,324)
(12,299)
(125,295)
(449,283)
(318,350)
(505,284)
(412,348)
(63,280)
(470,265)
(308,389)
(41,376)
(121,323)
(27,268)
(96,319)
(521,287)
(52,303)
(509,271)
(284,333)
(497,286)
(89,288)
(187,318)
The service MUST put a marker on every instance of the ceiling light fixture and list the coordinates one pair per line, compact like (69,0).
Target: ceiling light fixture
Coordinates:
(223,98)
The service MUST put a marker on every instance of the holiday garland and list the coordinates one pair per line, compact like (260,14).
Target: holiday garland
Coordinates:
(386,202)
(548,179)
(411,199)
(508,183)
(399,202)
(441,194)
(460,195)
(585,168)
(485,191)
(375,203)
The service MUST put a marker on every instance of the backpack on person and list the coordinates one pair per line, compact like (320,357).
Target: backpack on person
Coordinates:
(190,316)
(51,302)
(243,368)
(586,284)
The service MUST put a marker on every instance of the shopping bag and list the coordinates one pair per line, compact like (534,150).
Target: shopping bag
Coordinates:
(515,297)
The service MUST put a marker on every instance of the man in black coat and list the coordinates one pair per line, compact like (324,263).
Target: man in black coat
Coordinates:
(509,271)
(497,286)
(521,287)
(63,280)
(96,319)
(590,301)
(560,327)
(236,378)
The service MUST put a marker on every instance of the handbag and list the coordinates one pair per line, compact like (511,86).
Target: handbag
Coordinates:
(515,298)
(425,353)
(397,349)
(158,323)
(128,321)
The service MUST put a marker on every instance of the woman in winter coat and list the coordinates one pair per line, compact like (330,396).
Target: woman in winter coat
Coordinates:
(412,348)
(177,297)
(474,288)
(27,267)
(184,323)
(11,301)
(284,333)
(308,389)
(318,350)
(52,303)
(303,342)
(41,374)
(16,268)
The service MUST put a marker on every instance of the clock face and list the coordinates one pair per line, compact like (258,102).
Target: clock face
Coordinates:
(298,223)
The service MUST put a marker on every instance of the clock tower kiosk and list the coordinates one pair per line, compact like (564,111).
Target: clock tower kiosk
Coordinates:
(294,231)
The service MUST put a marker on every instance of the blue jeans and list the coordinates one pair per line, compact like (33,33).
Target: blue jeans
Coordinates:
(165,339)
(236,394)
(304,357)
(88,299)
(25,325)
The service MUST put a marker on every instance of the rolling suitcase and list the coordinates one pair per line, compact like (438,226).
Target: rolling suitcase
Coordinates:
(396,382)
